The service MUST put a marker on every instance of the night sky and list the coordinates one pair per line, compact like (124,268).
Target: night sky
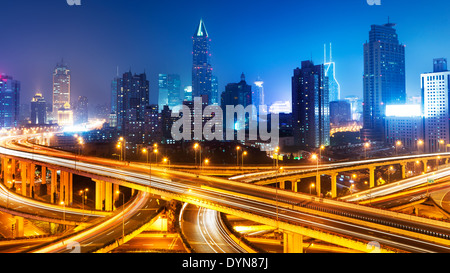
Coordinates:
(265,38)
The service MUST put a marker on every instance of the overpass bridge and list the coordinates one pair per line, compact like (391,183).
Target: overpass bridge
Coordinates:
(296,214)
(295,176)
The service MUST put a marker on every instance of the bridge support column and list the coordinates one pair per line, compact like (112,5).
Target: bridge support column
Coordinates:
(403,170)
(31,173)
(23,177)
(425,166)
(18,227)
(53,185)
(371,177)
(282,185)
(108,196)
(295,185)
(6,169)
(318,186)
(292,243)
(103,195)
(99,194)
(334,185)
(115,196)
(65,188)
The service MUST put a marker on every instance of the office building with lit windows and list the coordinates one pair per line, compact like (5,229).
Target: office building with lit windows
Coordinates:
(201,64)
(61,87)
(435,99)
(310,106)
(383,79)
(9,101)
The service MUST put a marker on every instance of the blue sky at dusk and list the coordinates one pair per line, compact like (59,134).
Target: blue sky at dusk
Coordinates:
(265,38)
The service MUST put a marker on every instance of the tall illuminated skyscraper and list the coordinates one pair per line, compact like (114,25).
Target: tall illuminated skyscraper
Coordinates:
(61,87)
(9,101)
(436,109)
(330,72)
(310,106)
(258,93)
(201,65)
(384,79)
(38,109)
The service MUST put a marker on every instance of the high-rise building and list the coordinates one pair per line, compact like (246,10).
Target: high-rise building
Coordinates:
(236,94)
(81,109)
(174,90)
(436,109)
(258,93)
(61,86)
(215,96)
(384,78)
(187,93)
(404,124)
(65,115)
(163,91)
(38,110)
(115,84)
(330,72)
(340,112)
(9,101)
(133,93)
(201,65)
(310,106)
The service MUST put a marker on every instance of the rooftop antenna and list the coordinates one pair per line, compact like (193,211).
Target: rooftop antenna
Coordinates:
(324,53)
(331,54)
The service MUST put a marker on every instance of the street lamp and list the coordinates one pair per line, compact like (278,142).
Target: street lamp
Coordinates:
(397,144)
(277,149)
(197,146)
(419,144)
(244,153)
(441,142)
(276,190)
(83,195)
(237,155)
(315,157)
(312,185)
(155,151)
(123,215)
(366,146)
(145,151)
(389,173)
(123,151)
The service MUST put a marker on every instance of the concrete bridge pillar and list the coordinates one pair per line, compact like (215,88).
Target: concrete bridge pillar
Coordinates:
(23,177)
(371,176)
(103,195)
(66,187)
(403,170)
(334,185)
(53,185)
(292,243)
(31,173)
(17,228)
(282,185)
(425,166)
(295,185)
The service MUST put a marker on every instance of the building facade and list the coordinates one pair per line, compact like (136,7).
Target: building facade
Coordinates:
(9,101)
(61,86)
(310,106)
(383,79)
(435,99)
(38,110)
(404,126)
(201,65)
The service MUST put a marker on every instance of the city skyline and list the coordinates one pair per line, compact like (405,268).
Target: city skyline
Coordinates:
(93,59)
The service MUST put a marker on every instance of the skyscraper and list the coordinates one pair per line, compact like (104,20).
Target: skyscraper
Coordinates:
(81,110)
(330,72)
(384,78)
(133,94)
(236,94)
(215,97)
(163,91)
(310,106)
(258,93)
(436,109)
(201,65)
(61,86)
(9,101)
(38,110)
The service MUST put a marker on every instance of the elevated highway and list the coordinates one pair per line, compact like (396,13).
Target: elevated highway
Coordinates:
(336,222)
